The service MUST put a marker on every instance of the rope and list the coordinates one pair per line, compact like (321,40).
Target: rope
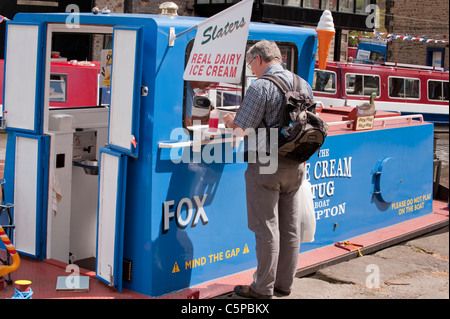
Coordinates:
(4,270)
(22,294)
(350,244)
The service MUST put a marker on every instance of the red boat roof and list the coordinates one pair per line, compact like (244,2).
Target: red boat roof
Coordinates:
(388,68)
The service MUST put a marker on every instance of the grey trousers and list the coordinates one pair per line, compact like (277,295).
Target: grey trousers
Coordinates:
(272,209)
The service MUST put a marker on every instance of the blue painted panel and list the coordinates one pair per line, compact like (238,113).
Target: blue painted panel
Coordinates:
(40,79)
(191,251)
(346,202)
(132,150)
(42,185)
(212,239)
(119,217)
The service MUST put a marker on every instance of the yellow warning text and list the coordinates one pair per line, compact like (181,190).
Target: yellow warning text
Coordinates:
(411,204)
(212,258)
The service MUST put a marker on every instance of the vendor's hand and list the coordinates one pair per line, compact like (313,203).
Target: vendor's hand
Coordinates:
(228,121)
(227,117)
(205,119)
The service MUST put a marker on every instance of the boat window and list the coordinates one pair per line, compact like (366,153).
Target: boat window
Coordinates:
(438,90)
(201,97)
(404,88)
(324,82)
(362,84)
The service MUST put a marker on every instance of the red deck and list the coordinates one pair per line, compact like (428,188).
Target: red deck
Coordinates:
(44,274)
(336,117)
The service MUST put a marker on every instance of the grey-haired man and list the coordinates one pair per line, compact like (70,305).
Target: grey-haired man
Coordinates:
(272,199)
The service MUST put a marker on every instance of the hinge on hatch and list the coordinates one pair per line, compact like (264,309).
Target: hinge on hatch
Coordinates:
(111,276)
(144,90)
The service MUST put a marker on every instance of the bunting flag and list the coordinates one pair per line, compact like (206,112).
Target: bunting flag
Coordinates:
(387,37)
(390,37)
(2,18)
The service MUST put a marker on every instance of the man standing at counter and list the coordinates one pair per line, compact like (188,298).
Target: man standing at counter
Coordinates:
(272,204)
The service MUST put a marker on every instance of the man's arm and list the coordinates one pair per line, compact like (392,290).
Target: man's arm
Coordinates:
(228,121)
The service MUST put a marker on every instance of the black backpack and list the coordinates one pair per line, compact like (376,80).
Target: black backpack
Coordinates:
(301,131)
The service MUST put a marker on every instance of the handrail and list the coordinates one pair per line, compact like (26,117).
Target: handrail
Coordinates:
(202,132)
(197,144)
(383,119)
(4,270)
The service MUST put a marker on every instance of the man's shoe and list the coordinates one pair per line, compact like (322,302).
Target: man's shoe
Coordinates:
(282,292)
(247,292)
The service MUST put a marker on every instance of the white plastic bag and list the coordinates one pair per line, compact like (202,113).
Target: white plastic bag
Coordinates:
(307,215)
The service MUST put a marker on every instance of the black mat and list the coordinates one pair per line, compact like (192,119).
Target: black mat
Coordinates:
(87,263)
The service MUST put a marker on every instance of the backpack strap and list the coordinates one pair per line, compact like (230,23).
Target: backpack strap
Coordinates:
(297,83)
(279,82)
(282,85)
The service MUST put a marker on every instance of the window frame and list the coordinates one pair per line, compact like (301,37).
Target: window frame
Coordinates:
(363,75)
(403,97)
(325,92)
(442,88)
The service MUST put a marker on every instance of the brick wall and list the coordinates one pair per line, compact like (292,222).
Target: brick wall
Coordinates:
(116,6)
(418,18)
(185,7)
(421,18)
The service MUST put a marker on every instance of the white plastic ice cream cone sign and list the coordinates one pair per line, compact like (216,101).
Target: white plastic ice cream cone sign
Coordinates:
(325,32)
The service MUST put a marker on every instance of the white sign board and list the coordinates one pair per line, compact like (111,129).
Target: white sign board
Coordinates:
(363,55)
(218,53)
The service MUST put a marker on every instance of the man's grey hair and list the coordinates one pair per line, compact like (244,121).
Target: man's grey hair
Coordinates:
(267,50)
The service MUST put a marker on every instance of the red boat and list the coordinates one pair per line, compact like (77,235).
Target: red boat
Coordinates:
(72,84)
(408,89)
